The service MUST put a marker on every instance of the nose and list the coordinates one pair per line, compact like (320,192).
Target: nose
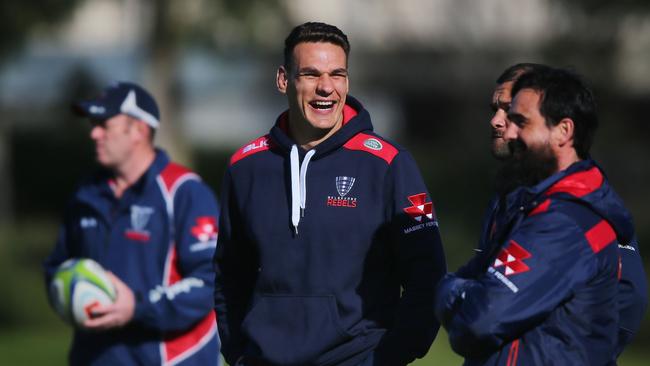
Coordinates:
(325,85)
(511,131)
(96,132)
(498,121)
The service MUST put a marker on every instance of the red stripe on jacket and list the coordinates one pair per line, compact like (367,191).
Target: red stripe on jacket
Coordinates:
(600,236)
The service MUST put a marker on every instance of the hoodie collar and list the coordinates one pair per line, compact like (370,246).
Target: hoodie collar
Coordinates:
(356,119)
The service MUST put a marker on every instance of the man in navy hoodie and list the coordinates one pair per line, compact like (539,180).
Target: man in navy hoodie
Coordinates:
(544,287)
(329,251)
(152,224)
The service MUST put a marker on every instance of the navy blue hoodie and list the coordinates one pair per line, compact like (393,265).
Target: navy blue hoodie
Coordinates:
(331,262)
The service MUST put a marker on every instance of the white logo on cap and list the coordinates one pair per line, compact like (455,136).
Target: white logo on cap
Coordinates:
(96,109)
(130,107)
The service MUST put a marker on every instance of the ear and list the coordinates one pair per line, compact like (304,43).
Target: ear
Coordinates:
(142,129)
(282,79)
(564,131)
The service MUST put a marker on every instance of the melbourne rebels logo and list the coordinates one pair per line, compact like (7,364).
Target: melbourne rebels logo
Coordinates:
(140,216)
(343,187)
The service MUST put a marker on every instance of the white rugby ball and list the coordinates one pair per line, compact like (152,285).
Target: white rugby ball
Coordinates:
(78,286)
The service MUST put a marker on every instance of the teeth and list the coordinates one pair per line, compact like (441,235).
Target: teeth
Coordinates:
(323,104)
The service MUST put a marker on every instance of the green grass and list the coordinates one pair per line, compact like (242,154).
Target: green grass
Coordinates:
(49,347)
(35,347)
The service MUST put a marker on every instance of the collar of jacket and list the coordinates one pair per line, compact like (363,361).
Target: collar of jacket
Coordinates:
(361,122)
(524,199)
(99,184)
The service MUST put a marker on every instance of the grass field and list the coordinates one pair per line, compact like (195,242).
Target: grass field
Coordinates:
(48,347)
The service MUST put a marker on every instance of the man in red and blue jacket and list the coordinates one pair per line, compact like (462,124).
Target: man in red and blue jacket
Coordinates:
(329,251)
(151,223)
(632,285)
(544,288)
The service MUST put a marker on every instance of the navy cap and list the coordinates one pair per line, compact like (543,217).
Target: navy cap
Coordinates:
(122,97)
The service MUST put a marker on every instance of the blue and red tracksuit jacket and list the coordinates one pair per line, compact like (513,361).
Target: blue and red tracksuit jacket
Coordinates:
(349,274)
(544,288)
(632,285)
(159,238)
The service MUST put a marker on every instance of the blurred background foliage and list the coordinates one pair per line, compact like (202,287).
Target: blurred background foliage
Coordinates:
(424,69)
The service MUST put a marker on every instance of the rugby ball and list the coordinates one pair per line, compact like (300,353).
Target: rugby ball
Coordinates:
(78,286)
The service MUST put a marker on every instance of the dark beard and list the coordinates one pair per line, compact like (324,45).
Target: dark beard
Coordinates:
(526,166)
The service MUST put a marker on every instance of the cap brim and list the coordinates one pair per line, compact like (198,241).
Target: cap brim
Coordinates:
(93,110)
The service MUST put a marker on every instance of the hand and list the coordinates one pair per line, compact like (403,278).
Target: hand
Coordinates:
(117,314)
(448,294)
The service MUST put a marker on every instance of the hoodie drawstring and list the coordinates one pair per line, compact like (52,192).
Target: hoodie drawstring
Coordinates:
(298,185)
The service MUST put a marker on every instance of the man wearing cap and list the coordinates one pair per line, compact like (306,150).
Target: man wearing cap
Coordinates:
(152,224)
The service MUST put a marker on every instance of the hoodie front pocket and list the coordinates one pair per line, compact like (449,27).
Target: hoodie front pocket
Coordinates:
(294,329)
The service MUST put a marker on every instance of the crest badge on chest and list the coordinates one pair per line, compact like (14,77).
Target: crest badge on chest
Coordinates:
(344,185)
(140,216)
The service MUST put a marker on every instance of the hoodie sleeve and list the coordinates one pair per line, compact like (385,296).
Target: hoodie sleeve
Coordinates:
(235,271)
(632,293)
(539,267)
(420,262)
(185,297)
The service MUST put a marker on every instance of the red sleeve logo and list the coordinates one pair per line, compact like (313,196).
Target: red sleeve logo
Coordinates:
(205,229)
(420,208)
(512,259)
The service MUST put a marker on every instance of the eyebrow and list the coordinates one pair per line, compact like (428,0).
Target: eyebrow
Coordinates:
(516,117)
(313,70)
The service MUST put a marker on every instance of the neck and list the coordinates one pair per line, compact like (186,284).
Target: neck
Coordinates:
(129,172)
(566,159)
(309,137)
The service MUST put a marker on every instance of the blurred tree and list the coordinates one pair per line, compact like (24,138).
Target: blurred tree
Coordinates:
(177,23)
(17,19)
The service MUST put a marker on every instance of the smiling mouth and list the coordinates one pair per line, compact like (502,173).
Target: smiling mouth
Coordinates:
(322,104)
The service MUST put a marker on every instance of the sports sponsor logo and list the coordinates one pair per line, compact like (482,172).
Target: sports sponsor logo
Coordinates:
(420,211)
(140,216)
(254,146)
(420,207)
(170,292)
(87,222)
(627,247)
(373,144)
(206,232)
(511,258)
(501,277)
(343,187)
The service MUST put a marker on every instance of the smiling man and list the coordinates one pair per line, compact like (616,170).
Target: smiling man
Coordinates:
(544,289)
(329,251)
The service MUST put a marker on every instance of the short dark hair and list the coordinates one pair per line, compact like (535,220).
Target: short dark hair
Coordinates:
(513,72)
(314,32)
(564,94)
